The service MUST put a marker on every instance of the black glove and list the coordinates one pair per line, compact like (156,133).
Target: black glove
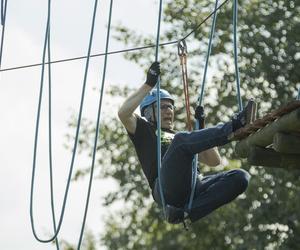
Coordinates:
(200,116)
(153,74)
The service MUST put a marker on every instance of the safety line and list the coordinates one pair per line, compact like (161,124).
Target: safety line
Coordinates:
(3,19)
(212,31)
(3,11)
(46,47)
(47,44)
(205,19)
(97,126)
(237,74)
(50,136)
(158,125)
(84,57)
(77,130)
(197,125)
(119,51)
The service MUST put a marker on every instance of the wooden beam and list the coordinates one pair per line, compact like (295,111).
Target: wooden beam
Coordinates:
(265,120)
(268,157)
(264,137)
(286,143)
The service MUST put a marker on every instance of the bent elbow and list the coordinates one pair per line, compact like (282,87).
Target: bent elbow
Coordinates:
(214,162)
(121,114)
(217,163)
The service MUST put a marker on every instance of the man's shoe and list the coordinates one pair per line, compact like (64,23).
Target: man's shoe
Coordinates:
(175,215)
(245,117)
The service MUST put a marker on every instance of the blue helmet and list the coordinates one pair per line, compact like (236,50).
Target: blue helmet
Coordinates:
(152,97)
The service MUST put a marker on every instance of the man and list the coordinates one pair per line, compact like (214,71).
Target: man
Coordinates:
(178,150)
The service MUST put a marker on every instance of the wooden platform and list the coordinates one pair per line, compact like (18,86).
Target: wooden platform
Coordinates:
(273,140)
(265,120)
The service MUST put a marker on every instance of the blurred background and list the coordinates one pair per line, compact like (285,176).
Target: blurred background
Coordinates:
(121,212)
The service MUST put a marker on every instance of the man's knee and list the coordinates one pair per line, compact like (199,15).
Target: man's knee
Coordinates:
(241,179)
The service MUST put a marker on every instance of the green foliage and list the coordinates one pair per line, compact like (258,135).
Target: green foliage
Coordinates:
(89,243)
(267,216)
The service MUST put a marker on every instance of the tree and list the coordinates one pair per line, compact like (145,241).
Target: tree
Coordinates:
(267,216)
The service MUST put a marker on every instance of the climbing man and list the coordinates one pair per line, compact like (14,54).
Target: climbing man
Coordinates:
(177,152)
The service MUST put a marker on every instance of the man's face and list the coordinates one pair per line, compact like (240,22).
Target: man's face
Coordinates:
(167,113)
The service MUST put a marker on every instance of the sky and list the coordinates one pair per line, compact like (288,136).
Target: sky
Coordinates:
(24,36)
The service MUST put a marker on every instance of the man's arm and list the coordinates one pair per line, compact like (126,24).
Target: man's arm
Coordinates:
(125,113)
(210,157)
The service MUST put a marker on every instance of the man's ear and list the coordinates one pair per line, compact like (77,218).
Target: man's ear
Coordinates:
(148,114)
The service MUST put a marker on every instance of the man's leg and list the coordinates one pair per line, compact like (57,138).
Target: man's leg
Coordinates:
(176,168)
(213,191)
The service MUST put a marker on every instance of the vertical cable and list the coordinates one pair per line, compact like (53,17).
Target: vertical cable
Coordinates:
(77,128)
(212,31)
(97,127)
(50,135)
(159,113)
(3,21)
(237,74)
(200,99)
(3,11)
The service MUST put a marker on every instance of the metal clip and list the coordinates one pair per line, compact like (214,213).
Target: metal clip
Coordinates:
(182,48)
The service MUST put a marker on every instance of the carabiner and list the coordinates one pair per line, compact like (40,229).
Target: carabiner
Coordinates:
(182,48)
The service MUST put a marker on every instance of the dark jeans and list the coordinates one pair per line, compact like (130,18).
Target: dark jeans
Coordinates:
(212,191)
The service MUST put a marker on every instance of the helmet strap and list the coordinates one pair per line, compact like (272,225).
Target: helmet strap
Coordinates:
(153,112)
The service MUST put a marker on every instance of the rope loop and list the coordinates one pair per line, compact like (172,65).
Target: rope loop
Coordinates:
(66,192)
